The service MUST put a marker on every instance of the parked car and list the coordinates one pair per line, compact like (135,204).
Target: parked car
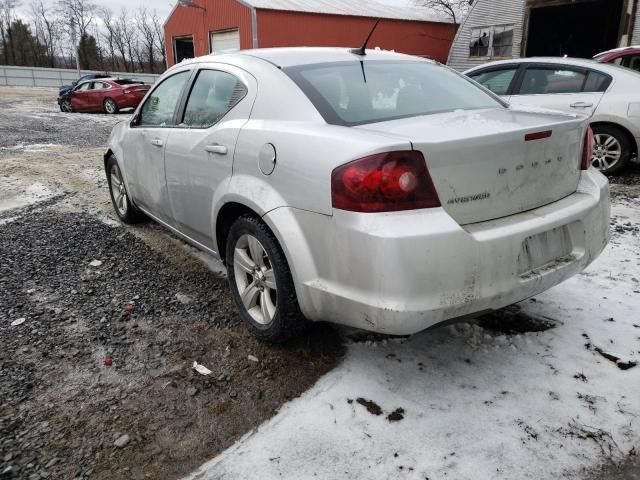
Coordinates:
(610,95)
(107,95)
(382,191)
(91,76)
(628,57)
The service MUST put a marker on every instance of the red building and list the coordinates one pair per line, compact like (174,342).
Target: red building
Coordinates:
(206,26)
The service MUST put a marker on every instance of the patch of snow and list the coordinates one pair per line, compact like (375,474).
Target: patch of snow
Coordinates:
(477,404)
(34,193)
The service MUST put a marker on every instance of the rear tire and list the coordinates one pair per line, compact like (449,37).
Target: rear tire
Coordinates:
(261,282)
(110,106)
(126,211)
(611,150)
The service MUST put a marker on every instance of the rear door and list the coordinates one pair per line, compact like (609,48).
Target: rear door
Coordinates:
(200,150)
(560,87)
(98,94)
(144,145)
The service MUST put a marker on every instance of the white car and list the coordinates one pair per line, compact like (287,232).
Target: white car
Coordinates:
(608,93)
(381,191)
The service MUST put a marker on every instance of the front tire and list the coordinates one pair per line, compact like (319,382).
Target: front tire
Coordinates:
(611,149)
(110,106)
(261,282)
(65,106)
(120,200)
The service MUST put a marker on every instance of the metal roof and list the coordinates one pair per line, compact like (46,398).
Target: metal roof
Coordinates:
(358,8)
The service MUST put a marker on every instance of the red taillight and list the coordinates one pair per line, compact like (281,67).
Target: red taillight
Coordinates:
(386,182)
(587,151)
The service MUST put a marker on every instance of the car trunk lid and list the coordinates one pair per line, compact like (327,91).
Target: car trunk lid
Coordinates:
(489,164)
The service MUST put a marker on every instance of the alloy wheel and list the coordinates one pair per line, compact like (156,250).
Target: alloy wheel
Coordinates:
(607,151)
(118,191)
(66,106)
(255,279)
(109,106)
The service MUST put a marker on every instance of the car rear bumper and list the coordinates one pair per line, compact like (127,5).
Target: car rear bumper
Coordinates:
(399,273)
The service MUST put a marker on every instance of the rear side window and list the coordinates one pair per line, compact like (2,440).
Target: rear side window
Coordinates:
(538,81)
(160,107)
(597,82)
(498,81)
(360,92)
(214,93)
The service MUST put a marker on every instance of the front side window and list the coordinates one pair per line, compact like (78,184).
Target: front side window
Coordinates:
(498,81)
(632,62)
(160,107)
(495,42)
(214,93)
(538,81)
(83,87)
(355,93)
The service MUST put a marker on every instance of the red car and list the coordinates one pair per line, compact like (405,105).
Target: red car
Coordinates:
(627,57)
(107,95)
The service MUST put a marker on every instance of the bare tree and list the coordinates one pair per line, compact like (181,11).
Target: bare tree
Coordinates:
(453,9)
(159,31)
(48,30)
(80,14)
(110,36)
(147,37)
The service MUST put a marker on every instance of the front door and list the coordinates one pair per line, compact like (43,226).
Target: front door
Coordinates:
(145,143)
(80,97)
(561,87)
(200,150)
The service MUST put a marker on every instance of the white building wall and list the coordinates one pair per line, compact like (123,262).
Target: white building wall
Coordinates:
(487,13)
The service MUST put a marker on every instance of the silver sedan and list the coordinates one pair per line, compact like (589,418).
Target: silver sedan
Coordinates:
(381,191)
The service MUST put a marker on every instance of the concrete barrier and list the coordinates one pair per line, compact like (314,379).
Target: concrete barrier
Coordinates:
(55,77)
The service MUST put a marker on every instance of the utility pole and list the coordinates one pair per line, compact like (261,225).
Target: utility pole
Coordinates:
(74,42)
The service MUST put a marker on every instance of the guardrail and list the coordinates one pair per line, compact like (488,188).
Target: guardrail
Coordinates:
(55,77)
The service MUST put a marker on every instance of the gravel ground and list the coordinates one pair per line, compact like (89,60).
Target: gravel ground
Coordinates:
(96,377)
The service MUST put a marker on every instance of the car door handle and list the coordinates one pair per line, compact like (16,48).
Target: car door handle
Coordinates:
(156,142)
(581,105)
(216,148)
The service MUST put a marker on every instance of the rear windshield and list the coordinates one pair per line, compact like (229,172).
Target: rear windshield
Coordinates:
(126,81)
(356,93)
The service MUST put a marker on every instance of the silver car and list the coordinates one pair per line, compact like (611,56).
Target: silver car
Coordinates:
(381,191)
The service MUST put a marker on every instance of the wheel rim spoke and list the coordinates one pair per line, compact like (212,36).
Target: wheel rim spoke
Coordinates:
(264,306)
(243,261)
(250,296)
(256,251)
(270,279)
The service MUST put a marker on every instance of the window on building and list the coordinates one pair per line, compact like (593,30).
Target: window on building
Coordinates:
(498,81)
(225,42)
(494,41)
(213,95)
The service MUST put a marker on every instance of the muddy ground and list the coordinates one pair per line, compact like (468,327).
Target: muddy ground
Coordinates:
(90,289)
(148,304)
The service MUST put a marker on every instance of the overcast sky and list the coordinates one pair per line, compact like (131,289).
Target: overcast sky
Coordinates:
(163,7)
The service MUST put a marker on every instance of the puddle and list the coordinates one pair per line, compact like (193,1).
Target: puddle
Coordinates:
(512,320)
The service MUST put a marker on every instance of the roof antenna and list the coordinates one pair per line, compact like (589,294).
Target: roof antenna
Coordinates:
(361,51)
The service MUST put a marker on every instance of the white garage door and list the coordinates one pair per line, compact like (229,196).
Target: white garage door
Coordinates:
(225,42)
